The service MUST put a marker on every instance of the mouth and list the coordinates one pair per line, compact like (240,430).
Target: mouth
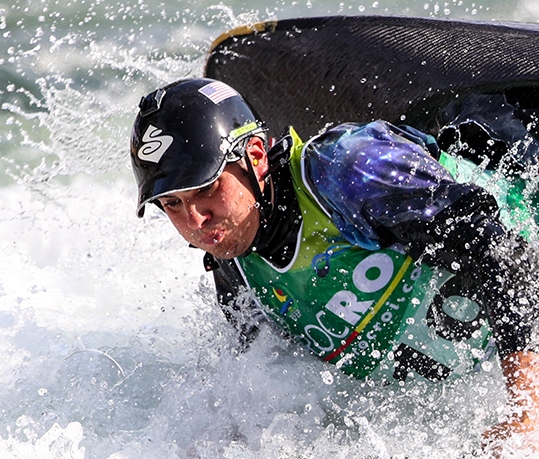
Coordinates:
(213,237)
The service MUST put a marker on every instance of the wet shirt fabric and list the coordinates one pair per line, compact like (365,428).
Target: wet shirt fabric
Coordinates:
(375,175)
(351,297)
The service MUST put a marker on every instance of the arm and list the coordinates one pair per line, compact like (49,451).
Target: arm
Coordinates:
(381,190)
(520,371)
(468,233)
(506,268)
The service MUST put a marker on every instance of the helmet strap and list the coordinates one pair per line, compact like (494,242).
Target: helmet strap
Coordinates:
(263,199)
(264,202)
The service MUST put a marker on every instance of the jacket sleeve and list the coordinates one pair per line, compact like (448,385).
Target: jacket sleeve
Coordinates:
(382,186)
(375,175)
(467,239)
(238,307)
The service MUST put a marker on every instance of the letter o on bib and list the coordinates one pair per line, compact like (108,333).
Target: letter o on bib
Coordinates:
(373,273)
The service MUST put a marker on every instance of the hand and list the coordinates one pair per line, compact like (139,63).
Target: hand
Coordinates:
(521,370)
(518,433)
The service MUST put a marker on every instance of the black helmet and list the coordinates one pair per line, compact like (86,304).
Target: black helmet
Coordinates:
(185,134)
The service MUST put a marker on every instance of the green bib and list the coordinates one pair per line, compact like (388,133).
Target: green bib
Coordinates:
(372,313)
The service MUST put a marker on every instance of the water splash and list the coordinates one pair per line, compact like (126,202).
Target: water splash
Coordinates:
(110,340)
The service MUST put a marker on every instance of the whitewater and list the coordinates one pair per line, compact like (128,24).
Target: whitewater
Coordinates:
(111,344)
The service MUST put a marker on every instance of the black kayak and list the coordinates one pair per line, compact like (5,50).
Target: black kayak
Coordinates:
(429,73)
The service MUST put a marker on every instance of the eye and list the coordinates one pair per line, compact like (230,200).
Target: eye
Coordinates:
(172,203)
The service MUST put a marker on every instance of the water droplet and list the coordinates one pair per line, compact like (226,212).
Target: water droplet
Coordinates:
(327,377)
(486,366)
(455,266)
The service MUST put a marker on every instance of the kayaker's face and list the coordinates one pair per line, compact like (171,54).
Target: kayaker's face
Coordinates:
(223,217)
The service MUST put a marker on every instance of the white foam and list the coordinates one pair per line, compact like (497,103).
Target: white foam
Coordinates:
(110,341)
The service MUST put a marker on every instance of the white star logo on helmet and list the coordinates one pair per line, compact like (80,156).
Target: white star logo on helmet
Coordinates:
(155,145)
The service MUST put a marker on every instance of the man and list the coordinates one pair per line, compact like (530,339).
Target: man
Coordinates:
(359,242)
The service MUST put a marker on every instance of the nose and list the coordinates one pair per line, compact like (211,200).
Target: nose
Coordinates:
(196,216)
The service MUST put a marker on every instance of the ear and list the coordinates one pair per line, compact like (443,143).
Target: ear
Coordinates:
(257,155)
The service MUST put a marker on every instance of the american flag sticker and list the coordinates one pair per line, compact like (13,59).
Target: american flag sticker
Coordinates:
(217,91)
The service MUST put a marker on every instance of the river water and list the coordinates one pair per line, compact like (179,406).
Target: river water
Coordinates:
(110,342)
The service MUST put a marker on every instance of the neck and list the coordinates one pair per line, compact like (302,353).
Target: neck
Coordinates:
(280,218)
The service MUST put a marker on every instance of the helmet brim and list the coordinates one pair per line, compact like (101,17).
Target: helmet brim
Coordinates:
(170,184)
